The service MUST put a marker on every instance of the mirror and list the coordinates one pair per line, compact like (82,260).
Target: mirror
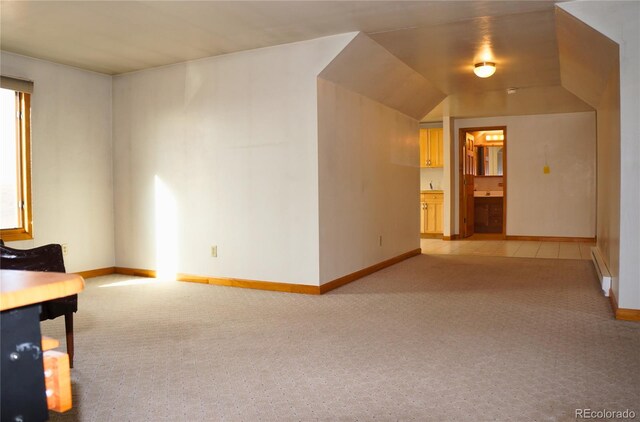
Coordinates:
(489,160)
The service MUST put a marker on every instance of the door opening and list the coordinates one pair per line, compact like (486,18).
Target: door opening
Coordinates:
(483,181)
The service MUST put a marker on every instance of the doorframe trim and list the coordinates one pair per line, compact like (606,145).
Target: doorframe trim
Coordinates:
(461,135)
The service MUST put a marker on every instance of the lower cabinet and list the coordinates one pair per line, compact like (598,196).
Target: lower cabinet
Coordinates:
(432,213)
(488,214)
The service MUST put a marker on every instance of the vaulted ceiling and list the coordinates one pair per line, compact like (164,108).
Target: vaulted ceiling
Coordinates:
(123,36)
(441,40)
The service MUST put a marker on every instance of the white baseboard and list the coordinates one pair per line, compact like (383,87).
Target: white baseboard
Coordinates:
(601,269)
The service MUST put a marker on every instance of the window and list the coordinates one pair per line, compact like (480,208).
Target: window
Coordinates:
(15,159)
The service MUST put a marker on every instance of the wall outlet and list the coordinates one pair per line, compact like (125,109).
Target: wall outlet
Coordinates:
(214,251)
(65,249)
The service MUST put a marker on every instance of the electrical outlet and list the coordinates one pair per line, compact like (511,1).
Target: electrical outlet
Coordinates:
(214,251)
(65,249)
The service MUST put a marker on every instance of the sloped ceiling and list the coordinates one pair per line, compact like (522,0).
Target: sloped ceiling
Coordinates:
(121,36)
(535,48)
(587,58)
(524,47)
(368,69)
(537,100)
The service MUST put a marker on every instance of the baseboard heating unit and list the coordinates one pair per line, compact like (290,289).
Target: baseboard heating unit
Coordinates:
(601,269)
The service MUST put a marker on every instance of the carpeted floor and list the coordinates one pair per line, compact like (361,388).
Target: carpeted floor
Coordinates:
(434,338)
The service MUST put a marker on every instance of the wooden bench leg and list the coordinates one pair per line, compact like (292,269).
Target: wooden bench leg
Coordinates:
(68,326)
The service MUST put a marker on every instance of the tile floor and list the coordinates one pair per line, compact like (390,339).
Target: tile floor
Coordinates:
(515,248)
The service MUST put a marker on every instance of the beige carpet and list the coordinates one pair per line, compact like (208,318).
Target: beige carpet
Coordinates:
(435,338)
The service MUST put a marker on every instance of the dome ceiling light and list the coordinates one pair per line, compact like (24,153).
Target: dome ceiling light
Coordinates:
(484,69)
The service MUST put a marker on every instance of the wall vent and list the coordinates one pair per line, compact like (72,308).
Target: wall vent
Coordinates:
(601,269)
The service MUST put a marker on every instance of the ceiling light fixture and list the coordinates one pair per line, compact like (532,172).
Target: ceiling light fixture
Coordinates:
(484,69)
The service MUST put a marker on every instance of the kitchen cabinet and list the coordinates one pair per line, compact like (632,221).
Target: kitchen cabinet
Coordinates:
(432,212)
(431,149)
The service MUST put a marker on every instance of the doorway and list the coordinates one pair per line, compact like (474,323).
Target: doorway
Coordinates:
(483,182)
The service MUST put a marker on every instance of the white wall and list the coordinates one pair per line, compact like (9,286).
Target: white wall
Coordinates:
(369,181)
(449,173)
(618,20)
(435,176)
(71,160)
(562,203)
(369,177)
(608,178)
(232,141)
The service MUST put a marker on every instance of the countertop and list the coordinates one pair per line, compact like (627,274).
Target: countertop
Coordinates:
(21,288)
(488,193)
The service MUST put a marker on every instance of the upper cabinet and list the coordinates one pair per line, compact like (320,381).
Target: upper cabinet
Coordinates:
(431,151)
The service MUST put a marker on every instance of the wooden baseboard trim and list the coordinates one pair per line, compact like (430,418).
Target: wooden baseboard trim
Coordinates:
(136,272)
(272,285)
(452,237)
(97,273)
(487,236)
(334,284)
(628,314)
(622,313)
(553,239)
(431,236)
(613,302)
(252,284)
(230,282)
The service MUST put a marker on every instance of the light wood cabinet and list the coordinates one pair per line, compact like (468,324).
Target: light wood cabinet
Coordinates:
(431,213)
(431,149)
(423,215)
